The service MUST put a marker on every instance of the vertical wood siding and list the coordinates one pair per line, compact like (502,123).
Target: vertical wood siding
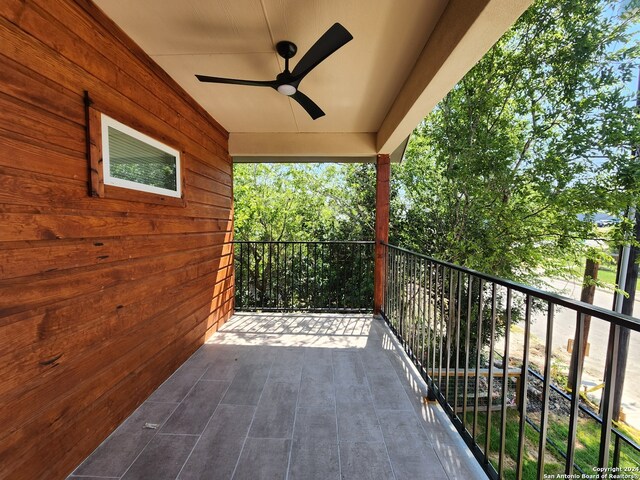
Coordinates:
(101,299)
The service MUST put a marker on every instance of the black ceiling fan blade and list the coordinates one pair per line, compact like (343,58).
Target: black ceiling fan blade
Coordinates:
(235,81)
(309,105)
(332,40)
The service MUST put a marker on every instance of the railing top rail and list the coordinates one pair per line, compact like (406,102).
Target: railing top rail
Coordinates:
(357,242)
(582,307)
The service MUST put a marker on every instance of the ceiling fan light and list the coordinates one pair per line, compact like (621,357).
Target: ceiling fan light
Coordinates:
(286,89)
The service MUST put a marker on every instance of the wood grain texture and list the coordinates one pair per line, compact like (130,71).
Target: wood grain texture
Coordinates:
(103,294)
(383,169)
(94,147)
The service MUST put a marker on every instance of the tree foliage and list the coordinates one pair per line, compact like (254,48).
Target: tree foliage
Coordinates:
(505,174)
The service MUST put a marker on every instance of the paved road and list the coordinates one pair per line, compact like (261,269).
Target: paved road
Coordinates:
(564,328)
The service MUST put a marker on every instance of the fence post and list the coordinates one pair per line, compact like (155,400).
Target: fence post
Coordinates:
(382,229)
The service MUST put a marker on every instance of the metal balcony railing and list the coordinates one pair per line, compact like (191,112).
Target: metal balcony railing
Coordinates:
(304,276)
(455,324)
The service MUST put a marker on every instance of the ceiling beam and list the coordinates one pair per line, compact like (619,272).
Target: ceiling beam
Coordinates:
(302,145)
(464,33)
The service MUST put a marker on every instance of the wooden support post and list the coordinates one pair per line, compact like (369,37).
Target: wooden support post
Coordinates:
(382,229)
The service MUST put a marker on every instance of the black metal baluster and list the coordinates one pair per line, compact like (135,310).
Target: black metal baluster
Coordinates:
(434,332)
(387,283)
(270,280)
(433,287)
(616,451)
(421,313)
(505,386)
(277,299)
(293,275)
(307,261)
(239,285)
(263,279)
(315,275)
(301,298)
(524,384)
(457,353)
(607,394)
(413,307)
(403,290)
(487,442)
(467,340)
(478,350)
(449,322)
(441,323)
(575,395)
(288,275)
(395,290)
(544,415)
(255,275)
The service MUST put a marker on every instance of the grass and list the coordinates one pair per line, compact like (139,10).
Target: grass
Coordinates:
(586,451)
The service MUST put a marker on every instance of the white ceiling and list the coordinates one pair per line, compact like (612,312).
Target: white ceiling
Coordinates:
(357,87)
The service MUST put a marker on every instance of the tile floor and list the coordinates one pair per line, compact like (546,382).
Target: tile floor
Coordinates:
(287,396)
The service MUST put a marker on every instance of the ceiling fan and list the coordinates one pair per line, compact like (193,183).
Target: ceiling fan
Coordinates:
(287,82)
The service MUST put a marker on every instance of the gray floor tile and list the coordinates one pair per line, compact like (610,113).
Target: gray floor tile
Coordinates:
(162,458)
(152,413)
(315,424)
(318,372)
(196,365)
(456,463)
(314,460)
(414,458)
(287,366)
(276,411)
(194,412)
(263,459)
(375,359)
(174,389)
(316,394)
(348,369)
(216,453)
(354,395)
(230,421)
(401,423)
(388,393)
(247,385)
(116,454)
(365,461)
(318,356)
(213,458)
(222,369)
(358,424)
(383,427)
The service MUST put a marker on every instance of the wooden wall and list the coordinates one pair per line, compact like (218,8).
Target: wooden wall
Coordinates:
(100,299)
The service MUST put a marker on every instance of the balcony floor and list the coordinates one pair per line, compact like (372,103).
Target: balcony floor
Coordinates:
(288,396)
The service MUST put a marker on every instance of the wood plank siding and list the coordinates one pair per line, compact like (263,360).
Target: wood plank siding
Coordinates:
(101,299)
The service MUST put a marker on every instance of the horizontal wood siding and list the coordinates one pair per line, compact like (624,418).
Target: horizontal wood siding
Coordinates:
(101,299)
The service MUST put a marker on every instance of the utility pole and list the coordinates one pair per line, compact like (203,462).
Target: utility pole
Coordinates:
(587,294)
(627,282)
(631,282)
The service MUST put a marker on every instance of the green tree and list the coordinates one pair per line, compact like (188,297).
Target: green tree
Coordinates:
(506,172)
(306,201)
(285,202)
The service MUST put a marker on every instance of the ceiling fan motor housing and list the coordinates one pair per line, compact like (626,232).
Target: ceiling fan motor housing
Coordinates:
(286,49)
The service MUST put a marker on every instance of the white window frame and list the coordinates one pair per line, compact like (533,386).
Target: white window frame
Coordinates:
(107,122)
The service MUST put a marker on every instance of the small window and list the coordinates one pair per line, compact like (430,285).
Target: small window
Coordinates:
(135,161)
